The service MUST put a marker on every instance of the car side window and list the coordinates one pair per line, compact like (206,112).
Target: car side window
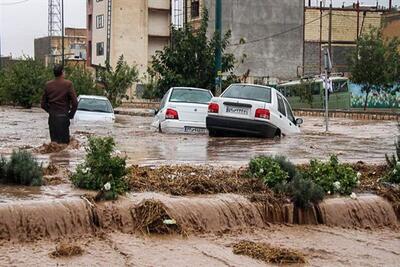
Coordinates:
(281,105)
(290,115)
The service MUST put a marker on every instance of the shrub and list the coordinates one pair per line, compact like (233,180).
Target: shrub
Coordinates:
(83,80)
(287,166)
(269,170)
(393,163)
(332,176)
(3,163)
(102,168)
(304,192)
(22,169)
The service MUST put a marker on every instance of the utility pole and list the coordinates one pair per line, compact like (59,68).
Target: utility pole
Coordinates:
(358,18)
(328,69)
(330,30)
(218,52)
(62,34)
(320,36)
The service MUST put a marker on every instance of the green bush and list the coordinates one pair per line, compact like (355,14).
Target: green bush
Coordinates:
(286,165)
(393,163)
(304,192)
(269,170)
(332,176)
(3,164)
(394,174)
(21,169)
(101,167)
(83,80)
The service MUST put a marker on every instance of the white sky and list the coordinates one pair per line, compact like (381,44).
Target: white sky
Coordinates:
(21,23)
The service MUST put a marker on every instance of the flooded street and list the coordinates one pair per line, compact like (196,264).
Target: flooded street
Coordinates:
(351,140)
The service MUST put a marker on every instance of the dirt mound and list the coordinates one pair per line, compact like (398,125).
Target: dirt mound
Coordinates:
(371,176)
(66,249)
(55,147)
(151,217)
(268,253)
(187,180)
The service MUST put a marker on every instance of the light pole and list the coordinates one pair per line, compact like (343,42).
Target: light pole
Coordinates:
(218,52)
(62,34)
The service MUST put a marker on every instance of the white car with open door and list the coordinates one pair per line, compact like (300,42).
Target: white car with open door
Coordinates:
(93,108)
(183,110)
(251,110)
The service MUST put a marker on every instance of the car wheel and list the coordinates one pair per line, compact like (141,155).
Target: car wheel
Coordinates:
(213,133)
(277,135)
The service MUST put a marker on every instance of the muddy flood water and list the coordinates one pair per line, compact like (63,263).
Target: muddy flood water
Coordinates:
(351,140)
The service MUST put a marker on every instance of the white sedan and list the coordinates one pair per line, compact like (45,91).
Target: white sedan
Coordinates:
(251,110)
(183,110)
(94,109)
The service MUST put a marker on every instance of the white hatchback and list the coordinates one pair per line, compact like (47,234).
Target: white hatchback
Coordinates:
(251,110)
(183,110)
(94,109)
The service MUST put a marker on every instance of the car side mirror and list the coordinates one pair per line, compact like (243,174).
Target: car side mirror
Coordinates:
(299,121)
(156,110)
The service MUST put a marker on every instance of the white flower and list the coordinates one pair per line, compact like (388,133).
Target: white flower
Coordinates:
(117,153)
(329,192)
(394,171)
(107,186)
(86,170)
(398,164)
(353,196)
(336,185)
(358,183)
(261,170)
(358,175)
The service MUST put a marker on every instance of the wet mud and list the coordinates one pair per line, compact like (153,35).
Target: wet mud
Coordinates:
(351,140)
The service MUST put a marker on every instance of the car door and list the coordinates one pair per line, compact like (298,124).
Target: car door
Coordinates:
(291,120)
(283,122)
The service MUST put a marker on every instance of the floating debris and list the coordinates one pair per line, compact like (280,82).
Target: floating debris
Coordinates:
(268,253)
(66,249)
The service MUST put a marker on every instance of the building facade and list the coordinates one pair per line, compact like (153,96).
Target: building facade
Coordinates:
(266,34)
(49,49)
(132,28)
(391,24)
(348,23)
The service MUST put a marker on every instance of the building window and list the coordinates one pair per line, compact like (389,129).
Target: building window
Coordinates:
(100,49)
(195,9)
(100,21)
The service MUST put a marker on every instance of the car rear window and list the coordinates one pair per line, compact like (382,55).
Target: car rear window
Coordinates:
(190,96)
(249,92)
(95,105)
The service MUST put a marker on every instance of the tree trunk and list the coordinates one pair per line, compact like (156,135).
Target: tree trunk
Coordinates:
(366,100)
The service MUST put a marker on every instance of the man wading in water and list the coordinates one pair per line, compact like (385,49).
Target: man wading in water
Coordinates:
(59,100)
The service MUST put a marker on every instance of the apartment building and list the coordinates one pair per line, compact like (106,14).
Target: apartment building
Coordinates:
(132,28)
(49,49)
(347,24)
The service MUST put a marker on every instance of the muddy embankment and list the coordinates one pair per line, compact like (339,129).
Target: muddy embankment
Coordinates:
(221,213)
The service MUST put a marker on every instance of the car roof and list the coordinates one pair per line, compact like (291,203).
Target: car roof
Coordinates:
(94,97)
(256,85)
(191,88)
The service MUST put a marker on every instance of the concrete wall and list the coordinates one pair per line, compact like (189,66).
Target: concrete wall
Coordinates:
(391,25)
(279,56)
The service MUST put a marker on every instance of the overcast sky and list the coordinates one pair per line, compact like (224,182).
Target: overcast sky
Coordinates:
(21,23)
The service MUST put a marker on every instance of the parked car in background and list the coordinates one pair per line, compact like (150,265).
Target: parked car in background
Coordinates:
(183,110)
(94,109)
(251,110)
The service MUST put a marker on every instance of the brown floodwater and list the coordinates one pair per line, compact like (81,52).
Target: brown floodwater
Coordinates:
(351,140)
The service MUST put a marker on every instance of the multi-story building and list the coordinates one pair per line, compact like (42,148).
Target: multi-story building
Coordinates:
(49,49)
(132,28)
(348,23)
(267,34)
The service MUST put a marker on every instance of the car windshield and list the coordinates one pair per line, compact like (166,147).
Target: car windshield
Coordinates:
(187,95)
(249,92)
(95,105)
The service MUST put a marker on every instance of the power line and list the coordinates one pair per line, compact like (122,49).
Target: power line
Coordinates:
(277,34)
(14,3)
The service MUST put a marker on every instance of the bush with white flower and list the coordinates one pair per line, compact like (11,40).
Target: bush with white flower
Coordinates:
(269,170)
(103,169)
(332,176)
(393,163)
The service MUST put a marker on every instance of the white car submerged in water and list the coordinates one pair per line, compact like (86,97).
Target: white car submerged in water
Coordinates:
(183,110)
(94,109)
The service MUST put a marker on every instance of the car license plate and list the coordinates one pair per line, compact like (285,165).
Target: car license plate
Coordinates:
(194,129)
(237,110)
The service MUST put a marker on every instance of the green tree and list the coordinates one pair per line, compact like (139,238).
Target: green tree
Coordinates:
(23,82)
(117,81)
(83,80)
(190,59)
(374,64)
